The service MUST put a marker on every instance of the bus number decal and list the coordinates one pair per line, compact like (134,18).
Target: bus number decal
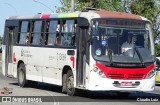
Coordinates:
(51,57)
(25,53)
(62,57)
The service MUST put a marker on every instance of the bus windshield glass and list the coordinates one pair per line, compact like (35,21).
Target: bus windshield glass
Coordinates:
(122,41)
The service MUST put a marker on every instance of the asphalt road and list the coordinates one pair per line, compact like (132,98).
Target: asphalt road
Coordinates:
(53,93)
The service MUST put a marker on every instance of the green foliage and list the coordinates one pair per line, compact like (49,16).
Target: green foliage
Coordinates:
(66,5)
(149,9)
(112,5)
(157,49)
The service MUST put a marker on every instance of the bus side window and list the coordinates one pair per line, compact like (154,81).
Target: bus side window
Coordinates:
(68,33)
(46,32)
(52,33)
(23,31)
(36,35)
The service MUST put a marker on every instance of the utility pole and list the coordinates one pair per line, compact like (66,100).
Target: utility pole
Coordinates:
(73,6)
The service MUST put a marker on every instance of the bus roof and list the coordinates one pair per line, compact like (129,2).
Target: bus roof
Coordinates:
(89,15)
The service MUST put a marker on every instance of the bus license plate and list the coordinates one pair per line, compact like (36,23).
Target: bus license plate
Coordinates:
(126,83)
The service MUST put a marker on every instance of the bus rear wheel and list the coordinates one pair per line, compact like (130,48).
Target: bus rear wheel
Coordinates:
(71,91)
(64,83)
(22,76)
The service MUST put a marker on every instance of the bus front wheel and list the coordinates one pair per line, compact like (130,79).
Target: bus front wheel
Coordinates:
(22,75)
(71,91)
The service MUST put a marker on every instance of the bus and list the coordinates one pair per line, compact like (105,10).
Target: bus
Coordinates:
(80,50)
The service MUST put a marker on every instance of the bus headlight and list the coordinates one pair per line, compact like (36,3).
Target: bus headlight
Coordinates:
(99,72)
(150,74)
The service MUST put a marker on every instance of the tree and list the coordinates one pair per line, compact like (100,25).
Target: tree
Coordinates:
(157,49)
(149,9)
(112,5)
(66,5)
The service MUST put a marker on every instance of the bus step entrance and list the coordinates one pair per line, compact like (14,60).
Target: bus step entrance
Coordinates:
(81,86)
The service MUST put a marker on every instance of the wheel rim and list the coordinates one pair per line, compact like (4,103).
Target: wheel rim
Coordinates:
(70,83)
(21,76)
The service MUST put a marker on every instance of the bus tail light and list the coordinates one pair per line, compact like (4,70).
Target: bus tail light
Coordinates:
(150,74)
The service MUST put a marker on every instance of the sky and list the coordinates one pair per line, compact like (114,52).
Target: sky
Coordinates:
(25,7)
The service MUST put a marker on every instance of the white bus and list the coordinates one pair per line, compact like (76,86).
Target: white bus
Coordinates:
(80,50)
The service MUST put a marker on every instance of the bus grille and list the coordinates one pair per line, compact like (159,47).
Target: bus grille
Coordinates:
(116,76)
(126,76)
(135,76)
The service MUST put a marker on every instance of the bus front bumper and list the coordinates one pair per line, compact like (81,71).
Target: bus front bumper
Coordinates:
(98,83)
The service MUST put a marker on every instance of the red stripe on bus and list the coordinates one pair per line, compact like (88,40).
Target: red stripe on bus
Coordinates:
(73,60)
(125,73)
(45,16)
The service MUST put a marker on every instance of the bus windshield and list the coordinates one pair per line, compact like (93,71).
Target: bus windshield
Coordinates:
(121,41)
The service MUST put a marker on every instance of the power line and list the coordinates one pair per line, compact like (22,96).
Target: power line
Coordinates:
(43,5)
(11,7)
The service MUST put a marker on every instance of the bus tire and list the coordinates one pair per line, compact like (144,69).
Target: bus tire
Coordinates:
(71,91)
(64,83)
(22,75)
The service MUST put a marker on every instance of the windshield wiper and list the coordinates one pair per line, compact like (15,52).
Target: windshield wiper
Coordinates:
(110,57)
(137,51)
(139,55)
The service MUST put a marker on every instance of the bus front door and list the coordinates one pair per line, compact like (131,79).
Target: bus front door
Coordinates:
(81,61)
(9,50)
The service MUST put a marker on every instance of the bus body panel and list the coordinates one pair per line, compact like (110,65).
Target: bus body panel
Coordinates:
(18,57)
(65,59)
(51,62)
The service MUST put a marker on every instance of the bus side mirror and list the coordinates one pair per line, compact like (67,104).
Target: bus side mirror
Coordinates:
(82,22)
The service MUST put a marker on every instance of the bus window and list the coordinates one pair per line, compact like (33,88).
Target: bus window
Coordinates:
(68,33)
(24,30)
(51,32)
(36,36)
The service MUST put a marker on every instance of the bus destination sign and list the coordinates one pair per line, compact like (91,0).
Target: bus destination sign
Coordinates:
(122,23)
